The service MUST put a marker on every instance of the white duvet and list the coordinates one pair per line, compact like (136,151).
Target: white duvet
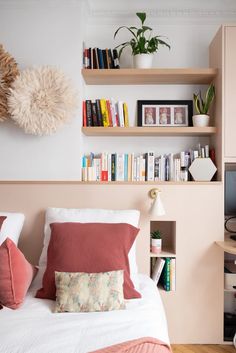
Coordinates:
(34,328)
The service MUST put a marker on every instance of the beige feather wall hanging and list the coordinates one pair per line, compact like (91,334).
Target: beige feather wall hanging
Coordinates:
(8,73)
(41,100)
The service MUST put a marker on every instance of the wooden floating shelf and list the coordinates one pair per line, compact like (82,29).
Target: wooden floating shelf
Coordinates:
(130,76)
(163,253)
(77,182)
(148,131)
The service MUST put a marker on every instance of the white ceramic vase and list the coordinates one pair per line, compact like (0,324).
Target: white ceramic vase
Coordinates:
(142,61)
(156,245)
(201,120)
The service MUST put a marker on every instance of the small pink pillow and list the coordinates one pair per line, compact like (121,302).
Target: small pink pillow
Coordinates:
(90,248)
(16,275)
(2,219)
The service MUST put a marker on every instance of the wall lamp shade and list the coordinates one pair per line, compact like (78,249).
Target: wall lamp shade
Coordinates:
(157,208)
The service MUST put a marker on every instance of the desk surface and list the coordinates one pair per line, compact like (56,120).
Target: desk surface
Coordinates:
(228,245)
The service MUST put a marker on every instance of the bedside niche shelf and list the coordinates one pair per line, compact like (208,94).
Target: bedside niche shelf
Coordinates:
(168,231)
(148,131)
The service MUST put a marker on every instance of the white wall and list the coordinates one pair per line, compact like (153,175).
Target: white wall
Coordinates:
(51,32)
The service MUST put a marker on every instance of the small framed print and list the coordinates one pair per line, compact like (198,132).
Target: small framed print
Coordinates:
(165,113)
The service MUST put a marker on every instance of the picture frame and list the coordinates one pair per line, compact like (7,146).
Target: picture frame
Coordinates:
(165,113)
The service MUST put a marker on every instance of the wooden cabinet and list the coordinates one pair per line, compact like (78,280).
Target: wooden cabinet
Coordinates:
(230,91)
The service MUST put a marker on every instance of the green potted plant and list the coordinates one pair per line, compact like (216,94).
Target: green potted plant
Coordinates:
(156,241)
(202,106)
(142,43)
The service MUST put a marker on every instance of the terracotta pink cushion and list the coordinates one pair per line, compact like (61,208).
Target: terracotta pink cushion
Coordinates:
(16,275)
(91,248)
(2,219)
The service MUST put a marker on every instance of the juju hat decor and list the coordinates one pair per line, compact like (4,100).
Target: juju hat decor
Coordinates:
(41,100)
(8,73)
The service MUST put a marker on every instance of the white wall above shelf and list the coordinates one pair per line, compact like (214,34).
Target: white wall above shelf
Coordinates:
(149,131)
(186,76)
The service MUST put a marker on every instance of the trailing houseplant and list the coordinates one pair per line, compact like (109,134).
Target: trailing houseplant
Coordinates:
(202,106)
(142,43)
(156,241)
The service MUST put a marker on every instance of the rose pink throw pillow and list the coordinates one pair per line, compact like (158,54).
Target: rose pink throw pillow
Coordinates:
(90,248)
(2,219)
(16,275)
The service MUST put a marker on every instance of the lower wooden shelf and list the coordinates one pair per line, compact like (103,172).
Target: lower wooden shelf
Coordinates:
(149,131)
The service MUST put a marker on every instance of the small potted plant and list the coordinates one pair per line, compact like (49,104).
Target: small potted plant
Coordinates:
(142,43)
(202,106)
(156,241)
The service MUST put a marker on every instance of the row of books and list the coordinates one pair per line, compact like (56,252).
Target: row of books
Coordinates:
(96,58)
(164,272)
(105,112)
(136,167)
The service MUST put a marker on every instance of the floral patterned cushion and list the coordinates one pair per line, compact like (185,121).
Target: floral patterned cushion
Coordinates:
(83,292)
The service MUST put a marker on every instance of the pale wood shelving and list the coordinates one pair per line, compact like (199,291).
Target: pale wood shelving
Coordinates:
(178,76)
(75,182)
(148,131)
(163,254)
(228,246)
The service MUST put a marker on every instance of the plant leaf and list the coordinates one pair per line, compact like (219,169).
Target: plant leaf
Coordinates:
(210,94)
(141,16)
(128,28)
(197,103)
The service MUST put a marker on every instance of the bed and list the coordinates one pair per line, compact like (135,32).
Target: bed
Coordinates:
(35,328)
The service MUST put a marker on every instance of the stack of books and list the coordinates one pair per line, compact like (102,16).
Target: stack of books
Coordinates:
(136,167)
(96,58)
(105,112)
(164,273)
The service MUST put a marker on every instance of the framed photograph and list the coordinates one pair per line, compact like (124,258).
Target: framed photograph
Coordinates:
(165,113)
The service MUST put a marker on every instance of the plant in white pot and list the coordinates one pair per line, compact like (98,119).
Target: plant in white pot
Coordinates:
(142,43)
(156,241)
(202,106)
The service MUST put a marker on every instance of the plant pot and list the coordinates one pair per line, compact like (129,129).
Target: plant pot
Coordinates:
(143,61)
(156,245)
(201,120)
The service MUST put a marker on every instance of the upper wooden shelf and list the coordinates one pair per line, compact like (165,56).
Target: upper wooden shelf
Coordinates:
(149,131)
(149,76)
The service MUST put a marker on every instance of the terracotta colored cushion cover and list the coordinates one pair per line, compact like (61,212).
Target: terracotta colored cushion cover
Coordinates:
(2,219)
(16,275)
(90,248)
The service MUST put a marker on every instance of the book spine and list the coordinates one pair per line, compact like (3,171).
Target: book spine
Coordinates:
(157,269)
(116,59)
(126,116)
(104,58)
(150,166)
(104,171)
(84,114)
(99,113)
(109,166)
(113,167)
(167,275)
(121,114)
(120,167)
(104,112)
(108,104)
(172,274)
(113,112)
(94,114)
(100,58)
(89,112)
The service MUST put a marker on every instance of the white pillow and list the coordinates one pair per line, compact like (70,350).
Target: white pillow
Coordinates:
(11,226)
(91,216)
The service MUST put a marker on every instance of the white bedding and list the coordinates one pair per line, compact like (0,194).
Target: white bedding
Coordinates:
(34,328)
